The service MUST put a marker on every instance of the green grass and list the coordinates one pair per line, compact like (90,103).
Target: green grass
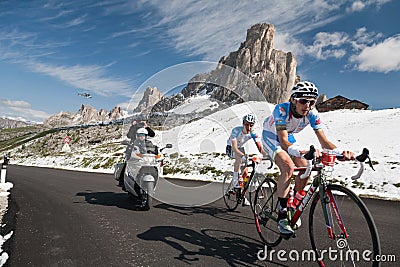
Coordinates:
(20,140)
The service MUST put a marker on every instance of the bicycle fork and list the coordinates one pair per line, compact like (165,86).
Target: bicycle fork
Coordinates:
(327,198)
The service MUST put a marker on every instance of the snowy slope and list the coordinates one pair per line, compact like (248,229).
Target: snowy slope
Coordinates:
(348,129)
(195,104)
(200,145)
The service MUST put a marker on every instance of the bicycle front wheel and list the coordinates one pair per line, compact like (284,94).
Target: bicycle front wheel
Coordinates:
(265,212)
(255,182)
(229,193)
(353,240)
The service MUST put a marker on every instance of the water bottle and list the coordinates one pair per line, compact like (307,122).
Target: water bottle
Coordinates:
(240,181)
(299,197)
(290,201)
(245,180)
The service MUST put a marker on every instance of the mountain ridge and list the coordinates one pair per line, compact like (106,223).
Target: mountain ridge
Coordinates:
(86,114)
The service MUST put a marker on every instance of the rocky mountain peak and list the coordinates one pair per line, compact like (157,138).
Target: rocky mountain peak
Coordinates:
(256,71)
(150,97)
(86,114)
(6,123)
(273,71)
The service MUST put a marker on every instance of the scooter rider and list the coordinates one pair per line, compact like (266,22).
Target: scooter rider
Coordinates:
(142,144)
(138,122)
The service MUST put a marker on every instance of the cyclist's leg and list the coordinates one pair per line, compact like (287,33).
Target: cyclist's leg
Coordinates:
(286,167)
(236,166)
(299,183)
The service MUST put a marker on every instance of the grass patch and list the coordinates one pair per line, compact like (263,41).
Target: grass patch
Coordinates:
(207,169)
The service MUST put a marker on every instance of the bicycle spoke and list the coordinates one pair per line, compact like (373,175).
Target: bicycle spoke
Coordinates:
(265,213)
(352,228)
(229,194)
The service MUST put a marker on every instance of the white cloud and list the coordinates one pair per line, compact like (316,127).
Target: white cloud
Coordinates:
(381,57)
(356,6)
(16,104)
(90,78)
(76,21)
(328,45)
(22,110)
(24,49)
(363,38)
(214,28)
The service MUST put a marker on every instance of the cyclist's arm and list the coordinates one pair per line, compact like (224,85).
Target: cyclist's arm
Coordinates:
(295,149)
(323,140)
(283,139)
(235,147)
(325,143)
(261,149)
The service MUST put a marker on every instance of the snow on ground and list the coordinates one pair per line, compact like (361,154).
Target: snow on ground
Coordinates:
(197,104)
(199,147)
(348,129)
(4,192)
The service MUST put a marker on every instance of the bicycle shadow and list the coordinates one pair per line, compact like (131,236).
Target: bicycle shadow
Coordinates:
(216,212)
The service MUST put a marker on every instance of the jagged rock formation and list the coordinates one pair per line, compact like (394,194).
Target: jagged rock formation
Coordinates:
(256,71)
(86,114)
(60,119)
(168,103)
(6,123)
(150,97)
(116,113)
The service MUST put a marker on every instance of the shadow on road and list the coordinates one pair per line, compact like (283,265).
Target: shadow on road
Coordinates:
(233,248)
(217,212)
(120,200)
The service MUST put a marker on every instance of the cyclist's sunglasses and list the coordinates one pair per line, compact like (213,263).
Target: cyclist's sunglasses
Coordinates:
(141,134)
(305,101)
(248,123)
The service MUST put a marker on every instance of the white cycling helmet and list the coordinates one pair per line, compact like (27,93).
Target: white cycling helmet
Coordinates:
(304,89)
(142,131)
(250,118)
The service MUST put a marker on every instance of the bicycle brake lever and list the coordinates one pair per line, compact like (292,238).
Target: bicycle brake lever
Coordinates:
(360,171)
(310,155)
(308,170)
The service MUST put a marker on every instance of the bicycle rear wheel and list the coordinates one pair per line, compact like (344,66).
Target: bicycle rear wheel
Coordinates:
(229,193)
(265,213)
(358,225)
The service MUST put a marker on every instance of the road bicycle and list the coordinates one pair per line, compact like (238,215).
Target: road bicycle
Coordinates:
(235,196)
(342,231)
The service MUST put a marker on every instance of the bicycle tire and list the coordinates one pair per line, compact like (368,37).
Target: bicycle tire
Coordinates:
(358,223)
(254,184)
(229,194)
(265,213)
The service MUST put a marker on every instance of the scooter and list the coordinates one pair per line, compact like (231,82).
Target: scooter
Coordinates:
(140,171)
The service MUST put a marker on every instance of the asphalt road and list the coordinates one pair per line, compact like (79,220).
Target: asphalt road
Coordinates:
(67,218)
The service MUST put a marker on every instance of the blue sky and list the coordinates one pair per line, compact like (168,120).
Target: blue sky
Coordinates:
(52,50)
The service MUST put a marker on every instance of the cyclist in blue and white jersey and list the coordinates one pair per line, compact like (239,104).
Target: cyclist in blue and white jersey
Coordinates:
(239,136)
(279,142)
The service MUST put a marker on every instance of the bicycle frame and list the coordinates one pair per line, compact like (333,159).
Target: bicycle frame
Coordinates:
(247,184)
(334,200)
(320,184)
(254,162)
